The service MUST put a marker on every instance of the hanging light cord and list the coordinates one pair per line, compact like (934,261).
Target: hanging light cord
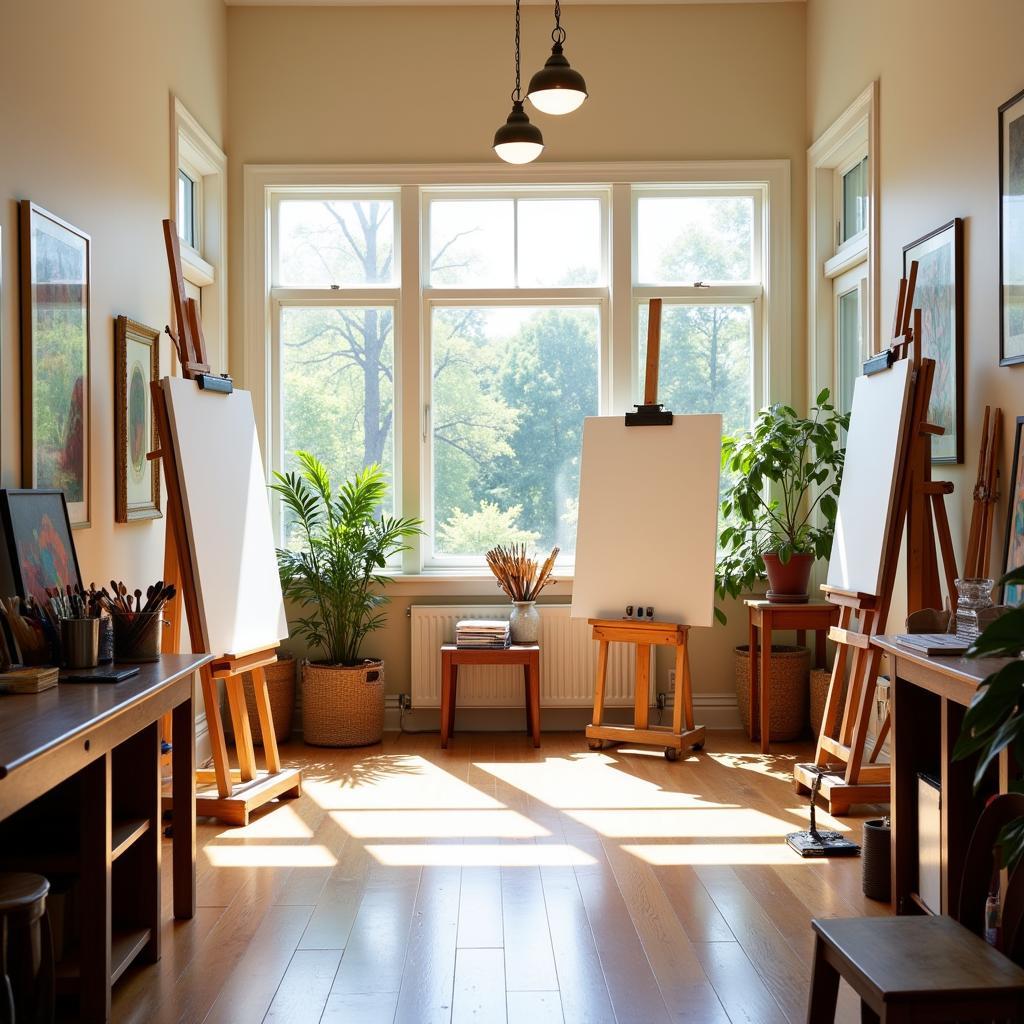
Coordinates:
(516,98)
(558,33)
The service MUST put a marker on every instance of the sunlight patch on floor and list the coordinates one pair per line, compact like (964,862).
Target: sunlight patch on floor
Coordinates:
(723,854)
(772,766)
(283,822)
(503,855)
(477,823)
(693,823)
(270,855)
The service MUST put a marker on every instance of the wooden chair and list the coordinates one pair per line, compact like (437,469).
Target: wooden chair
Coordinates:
(26,950)
(929,967)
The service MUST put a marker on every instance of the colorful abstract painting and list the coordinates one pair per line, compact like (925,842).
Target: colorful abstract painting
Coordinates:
(39,544)
(1014,559)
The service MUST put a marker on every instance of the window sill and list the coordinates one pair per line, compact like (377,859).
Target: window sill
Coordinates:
(463,583)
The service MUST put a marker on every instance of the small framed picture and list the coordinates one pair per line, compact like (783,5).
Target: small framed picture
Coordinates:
(940,297)
(1011,231)
(55,358)
(40,549)
(136,478)
(1013,555)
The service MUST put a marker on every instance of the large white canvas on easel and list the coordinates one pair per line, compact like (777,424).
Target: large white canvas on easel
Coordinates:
(868,490)
(227,516)
(648,519)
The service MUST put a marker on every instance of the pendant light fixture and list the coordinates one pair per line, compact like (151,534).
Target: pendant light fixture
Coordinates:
(517,141)
(557,88)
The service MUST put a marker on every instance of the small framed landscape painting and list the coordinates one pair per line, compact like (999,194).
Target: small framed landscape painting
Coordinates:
(55,358)
(1011,231)
(1013,558)
(40,550)
(940,297)
(136,478)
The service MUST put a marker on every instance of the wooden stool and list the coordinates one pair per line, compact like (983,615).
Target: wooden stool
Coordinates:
(26,950)
(927,968)
(818,616)
(527,655)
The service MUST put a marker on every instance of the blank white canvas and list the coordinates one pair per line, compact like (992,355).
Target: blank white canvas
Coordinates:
(648,519)
(227,515)
(867,493)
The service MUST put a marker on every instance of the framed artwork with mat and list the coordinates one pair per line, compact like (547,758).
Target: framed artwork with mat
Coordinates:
(55,373)
(940,296)
(1011,231)
(1013,554)
(136,366)
(38,542)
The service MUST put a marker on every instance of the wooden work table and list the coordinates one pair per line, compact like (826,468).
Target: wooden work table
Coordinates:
(88,755)
(928,699)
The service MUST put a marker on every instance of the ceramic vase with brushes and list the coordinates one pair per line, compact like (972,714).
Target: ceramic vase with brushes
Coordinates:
(520,576)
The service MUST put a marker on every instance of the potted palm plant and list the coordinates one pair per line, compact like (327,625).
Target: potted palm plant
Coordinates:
(335,574)
(771,529)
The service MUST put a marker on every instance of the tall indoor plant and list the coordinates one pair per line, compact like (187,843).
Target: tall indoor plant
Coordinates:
(783,470)
(334,573)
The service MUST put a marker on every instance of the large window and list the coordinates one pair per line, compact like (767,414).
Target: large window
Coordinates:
(459,336)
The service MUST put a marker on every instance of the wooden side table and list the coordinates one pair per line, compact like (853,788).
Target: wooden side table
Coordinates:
(527,655)
(768,616)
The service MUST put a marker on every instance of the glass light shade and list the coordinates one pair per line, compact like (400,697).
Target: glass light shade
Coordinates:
(557,88)
(517,141)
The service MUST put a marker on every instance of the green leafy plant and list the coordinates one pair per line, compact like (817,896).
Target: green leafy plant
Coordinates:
(995,719)
(345,542)
(767,508)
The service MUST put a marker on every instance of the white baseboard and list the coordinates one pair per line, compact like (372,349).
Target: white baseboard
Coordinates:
(715,710)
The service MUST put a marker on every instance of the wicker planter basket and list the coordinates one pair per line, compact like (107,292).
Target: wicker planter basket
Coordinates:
(281,690)
(787,678)
(342,706)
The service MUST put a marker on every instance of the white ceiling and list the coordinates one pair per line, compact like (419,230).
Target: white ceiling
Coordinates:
(472,3)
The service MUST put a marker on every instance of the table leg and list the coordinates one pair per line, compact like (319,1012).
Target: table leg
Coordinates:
(446,694)
(94,917)
(752,685)
(453,699)
(764,679)
(801,637)
(819,647)
(532,671)
(821,1004)
(183,814)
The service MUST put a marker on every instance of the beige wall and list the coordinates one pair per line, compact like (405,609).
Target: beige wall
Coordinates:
(944,67)
(417,85)
(85,120)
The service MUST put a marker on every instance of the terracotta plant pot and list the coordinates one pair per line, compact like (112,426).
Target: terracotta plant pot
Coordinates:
(787,583)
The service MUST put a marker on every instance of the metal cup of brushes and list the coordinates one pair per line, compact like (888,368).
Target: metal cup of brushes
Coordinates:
(522,578)
(138,625)
(73,616)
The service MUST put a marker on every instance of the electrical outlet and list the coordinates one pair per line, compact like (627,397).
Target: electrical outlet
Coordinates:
(405,701)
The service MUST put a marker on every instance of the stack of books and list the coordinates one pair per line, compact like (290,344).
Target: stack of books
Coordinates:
(485,633)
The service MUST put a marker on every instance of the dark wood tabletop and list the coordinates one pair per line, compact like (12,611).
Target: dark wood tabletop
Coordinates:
(970,671)
(31,724)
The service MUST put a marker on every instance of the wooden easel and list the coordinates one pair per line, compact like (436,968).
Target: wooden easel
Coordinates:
(986,494)
(227,793)
(847,777)
(646,635)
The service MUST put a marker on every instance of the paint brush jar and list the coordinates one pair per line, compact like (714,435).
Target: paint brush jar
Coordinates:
(138,638)
(80,642)
(974,599)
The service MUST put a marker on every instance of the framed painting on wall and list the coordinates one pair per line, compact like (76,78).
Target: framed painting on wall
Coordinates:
(1011,231)
(940,297)
(39,545)
(136,478)
(55,374)
(1013,556)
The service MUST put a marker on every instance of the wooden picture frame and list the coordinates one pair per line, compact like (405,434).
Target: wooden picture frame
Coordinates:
(55,358)
(940,297)
(1013,547)
(136,366)
(39,545)
(1011,231)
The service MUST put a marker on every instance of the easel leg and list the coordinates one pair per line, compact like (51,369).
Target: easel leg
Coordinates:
(860,735)
(221,767)
(240,723)
(270,752)
(642,696)
(602,674)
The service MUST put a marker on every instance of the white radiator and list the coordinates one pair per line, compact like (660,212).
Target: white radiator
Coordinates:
(568,661)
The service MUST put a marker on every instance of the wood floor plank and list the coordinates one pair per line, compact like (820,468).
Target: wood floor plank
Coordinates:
(529,960)
(360,1008)
(480,908)
(535,1008)
(302,994)
(479,996)
(692,904)
(249,990)
(428,977)
(740,988)
(339,900)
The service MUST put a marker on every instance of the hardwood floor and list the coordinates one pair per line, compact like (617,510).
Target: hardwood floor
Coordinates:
(493,882)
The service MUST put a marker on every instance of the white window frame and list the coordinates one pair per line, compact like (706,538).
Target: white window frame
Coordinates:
(204,265)
(618,297)
(851,137)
